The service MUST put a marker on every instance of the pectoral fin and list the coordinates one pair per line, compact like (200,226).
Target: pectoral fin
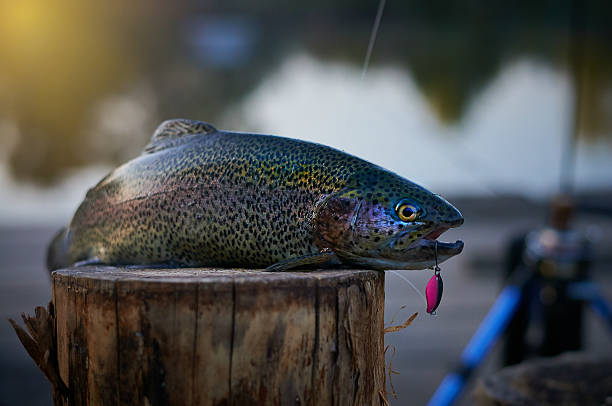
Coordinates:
(310,260)
(90,261)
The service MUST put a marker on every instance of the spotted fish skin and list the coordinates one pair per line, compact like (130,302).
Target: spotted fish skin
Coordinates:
(202,197)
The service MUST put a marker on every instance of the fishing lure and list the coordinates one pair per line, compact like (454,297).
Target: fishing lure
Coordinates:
(433,290)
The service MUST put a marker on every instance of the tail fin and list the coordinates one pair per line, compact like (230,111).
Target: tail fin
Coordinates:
(58,254)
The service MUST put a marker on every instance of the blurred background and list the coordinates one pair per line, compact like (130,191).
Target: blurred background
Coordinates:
(492,104)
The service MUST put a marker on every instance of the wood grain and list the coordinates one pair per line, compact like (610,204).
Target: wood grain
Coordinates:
(219,337)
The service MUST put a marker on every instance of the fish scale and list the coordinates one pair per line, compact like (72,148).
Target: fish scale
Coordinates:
(202,197)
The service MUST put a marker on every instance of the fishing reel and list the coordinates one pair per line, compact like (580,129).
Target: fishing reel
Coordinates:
(549,317)
(558,252)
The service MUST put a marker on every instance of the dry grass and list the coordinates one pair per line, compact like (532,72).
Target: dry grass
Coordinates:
(389,367)
(393,329)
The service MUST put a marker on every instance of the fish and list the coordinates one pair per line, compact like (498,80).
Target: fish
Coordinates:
(201,197)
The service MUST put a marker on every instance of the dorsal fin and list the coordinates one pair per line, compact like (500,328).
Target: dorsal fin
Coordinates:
(174,132)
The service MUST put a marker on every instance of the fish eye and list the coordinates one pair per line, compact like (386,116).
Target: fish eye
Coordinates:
(406,211)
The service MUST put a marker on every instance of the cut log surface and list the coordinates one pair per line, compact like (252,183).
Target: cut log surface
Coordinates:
(219,337)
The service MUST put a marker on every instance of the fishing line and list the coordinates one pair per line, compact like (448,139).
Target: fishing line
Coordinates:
(567,167)
(475,167)
(366,64)
(379,13)
(402,277)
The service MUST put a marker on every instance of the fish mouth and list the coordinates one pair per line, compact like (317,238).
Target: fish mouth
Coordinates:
(444,249)
(426,246)
(421,254)
(435,233)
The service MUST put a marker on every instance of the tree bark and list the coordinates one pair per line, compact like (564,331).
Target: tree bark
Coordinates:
(219,337)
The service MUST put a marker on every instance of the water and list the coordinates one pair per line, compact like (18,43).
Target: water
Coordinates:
(508,141)
(466,100)
(463,104)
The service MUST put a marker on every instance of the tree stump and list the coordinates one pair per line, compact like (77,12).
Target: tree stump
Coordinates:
(569,379)
(219,337)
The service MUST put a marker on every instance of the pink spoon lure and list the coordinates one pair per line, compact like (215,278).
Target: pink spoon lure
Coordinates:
(433,292)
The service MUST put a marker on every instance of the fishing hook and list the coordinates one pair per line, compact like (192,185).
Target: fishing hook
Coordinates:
(436,268)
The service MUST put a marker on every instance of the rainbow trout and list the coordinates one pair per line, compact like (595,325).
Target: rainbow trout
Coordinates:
(198,196)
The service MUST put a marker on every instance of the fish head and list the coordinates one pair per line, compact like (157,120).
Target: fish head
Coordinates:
(387,223)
